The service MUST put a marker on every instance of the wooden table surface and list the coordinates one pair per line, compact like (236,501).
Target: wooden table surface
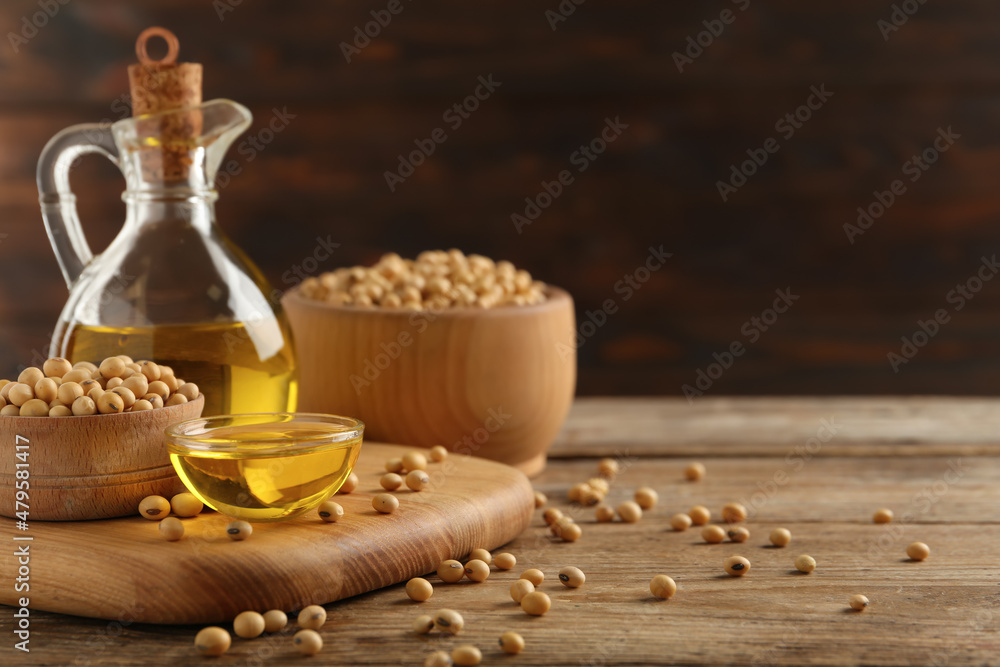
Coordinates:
(817,466)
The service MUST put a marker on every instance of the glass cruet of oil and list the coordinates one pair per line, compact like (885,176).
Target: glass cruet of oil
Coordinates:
(171,286)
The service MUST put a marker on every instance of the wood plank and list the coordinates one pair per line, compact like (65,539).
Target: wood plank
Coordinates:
(943,610)
(766,426)
(616,48)
(206,577)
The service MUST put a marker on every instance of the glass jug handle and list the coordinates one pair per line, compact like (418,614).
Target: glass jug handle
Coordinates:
(57,200)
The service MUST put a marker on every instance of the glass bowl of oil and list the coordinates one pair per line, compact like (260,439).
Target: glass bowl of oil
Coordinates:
(264,467)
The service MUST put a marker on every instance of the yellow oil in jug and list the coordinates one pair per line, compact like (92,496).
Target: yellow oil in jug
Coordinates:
(239,368)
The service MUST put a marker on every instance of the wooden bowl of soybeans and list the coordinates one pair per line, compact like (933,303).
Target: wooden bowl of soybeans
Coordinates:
(486,367)
(97,466)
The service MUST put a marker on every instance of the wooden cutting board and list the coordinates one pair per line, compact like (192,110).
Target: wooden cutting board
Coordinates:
(122,569)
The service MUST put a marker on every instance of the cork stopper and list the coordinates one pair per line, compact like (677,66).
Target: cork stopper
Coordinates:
(159,86)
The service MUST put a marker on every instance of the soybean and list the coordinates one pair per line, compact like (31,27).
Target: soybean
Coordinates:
(84,405)
(694,472)
(312,617)
(918,551)
(713,534)
(646,498)
(438,453)
(275,620)
(391,481)
(739,534)
(349,484)
(171,528)
(419,589)
(520,588)
(466,655)
(662,586)
(805,563)
(451,571)
(476,570)
(551,515)
(572,577)
(883,515)
(604,514)
(700,515)
(417,480)
(308,642)
(239,530)
(212,641)
(249,624)
(35,408)
(736,566)
(481,554)
(385,503)
(505,561)
(414,461)
(607,468)
(534,575)
(680,522)
(536,603)
(438,658)
(511,642)
(859,602)
(423,624)
(186,505)
(571,532)
(734,513)
(330,511)
(780,537)
(449,620)
(629,512)
(154,508)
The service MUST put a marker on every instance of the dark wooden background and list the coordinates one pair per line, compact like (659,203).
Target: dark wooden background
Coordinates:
(323,175)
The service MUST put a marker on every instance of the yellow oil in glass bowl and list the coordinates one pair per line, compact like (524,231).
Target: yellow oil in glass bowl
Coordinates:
(264,467)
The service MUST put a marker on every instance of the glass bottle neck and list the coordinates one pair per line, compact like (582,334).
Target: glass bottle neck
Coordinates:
(164,207)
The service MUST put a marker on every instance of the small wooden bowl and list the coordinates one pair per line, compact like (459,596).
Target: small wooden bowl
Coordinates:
(93,467)
(495,382)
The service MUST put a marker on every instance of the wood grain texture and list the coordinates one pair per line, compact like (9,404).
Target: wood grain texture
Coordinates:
(91,467)
(105,568)
(496,382)
(780,426)
(944,610)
